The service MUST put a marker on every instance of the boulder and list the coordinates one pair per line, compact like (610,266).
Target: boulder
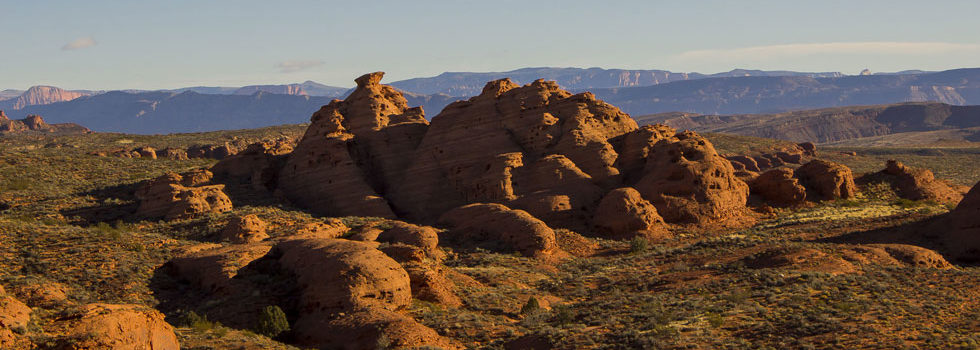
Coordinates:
(624,214)
(423,237)
(367,329)
(106,326)
(196,177)
(826,180)
(244,229)
(337,275)
(147,152)
(779,187)
(258,164)
(166,197)
(173,153)
(689,182)
(918,184)
(960,232)
(212,267)
(501,227)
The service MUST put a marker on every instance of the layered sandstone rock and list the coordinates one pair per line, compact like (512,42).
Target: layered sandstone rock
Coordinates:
(353,150)
(960,232)
(689,182)
(779,187)
(511,142)
(173,154)
(212,267)
(258,164)
(169,198)
(918,184)
(501,227)
(244,229)
(827,180)
(623,213)
(106,326)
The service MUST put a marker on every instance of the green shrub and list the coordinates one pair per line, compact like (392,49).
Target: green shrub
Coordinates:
(639,245)
(272,322)
(531,306)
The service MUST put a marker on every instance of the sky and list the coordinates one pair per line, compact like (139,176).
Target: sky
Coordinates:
(103,45)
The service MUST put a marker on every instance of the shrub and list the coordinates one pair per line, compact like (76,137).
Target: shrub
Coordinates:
(639,245)
(531,306)
(272,322)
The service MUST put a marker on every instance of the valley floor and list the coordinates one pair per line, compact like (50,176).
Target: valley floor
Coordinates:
(796,279)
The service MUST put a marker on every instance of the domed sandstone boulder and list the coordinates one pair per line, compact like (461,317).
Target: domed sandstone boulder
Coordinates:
(244,229)
(779,187)
(827,180)
(368,329)
(624,214)
(167,197)
(106,326)
(501,227)
(689,182)
(918,184)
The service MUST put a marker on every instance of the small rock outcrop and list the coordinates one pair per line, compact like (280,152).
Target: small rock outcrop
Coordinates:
(169,197)
(918,184)
(689,182)
(826,180)
(502,228)
(107,326)
(244,229)
(257,165)
(37,124)
(624,214)
(960,232)
(779,187)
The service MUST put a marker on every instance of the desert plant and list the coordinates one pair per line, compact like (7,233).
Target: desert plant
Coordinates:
(531,306)
(639,245)
(272,322)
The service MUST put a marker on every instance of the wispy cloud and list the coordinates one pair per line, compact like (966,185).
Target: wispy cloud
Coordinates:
(296,66)
(806,49)
(79,44)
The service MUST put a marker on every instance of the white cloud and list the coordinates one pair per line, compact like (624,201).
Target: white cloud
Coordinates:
(296,66)
(807,49)
(79,44)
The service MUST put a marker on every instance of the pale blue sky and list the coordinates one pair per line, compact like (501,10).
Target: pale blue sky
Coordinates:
(168,44)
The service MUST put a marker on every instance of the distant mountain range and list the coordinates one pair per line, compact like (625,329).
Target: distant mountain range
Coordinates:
(638,92)
(905,124)
(462,84)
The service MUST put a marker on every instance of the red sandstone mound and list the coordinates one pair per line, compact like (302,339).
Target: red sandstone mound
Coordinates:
(689,182)
(918,184)
(827,180)
(173,196)
(14,318)
(37,124)
(105,326)
(778,186)
(960,232)
(623,213)
(258,164)
(244,229)
(353,150)
(500,226)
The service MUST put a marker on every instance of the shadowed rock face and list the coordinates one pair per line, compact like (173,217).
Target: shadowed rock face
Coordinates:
(918,184)
(535,147)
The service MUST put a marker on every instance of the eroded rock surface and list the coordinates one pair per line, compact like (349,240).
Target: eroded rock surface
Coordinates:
(827,180)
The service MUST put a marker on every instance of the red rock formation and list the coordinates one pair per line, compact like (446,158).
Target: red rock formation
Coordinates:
(498,225)
(174,154)
(689,182)
(105,326)
(244,229)
(36,123)
(258,164)
(779,187)
(960,232)
(827,180)
(471,150)
(168,198)
(918,184)
(623,213)
(42,95)
(353,150)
